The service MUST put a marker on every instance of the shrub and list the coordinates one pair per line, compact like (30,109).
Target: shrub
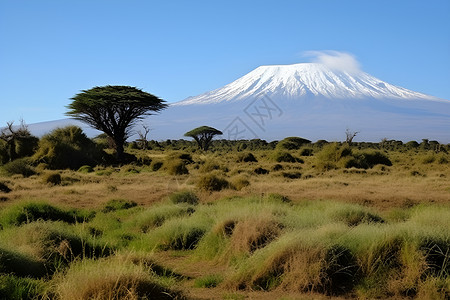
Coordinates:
(211,183)
(118,204)
(176,167)
(184,197)
(110,279)
(306,152)
(65,148)
(21,265)
(286,157)
(277,167)
(21,166)
(246,157)
(261,171)
(26,212)
(4,188)
(18,288)
(156,165)
(52,178)
(240,183)
(369,159)
(291,175)
(86,169)
(292,143)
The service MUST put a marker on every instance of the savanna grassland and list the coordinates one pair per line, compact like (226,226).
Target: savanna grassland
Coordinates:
(245,220)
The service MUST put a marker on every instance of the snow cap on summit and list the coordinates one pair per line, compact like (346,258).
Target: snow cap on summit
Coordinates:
(335,60)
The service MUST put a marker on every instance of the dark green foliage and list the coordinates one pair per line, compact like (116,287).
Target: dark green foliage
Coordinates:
(52,178)
(212,183)
(437,255)
(184,197)
(114,110)
(277,167)
(20,265)
(306,152)
(368,160)
(17,288)
(32,211)
(20,166)
(412,145)
(356,217)
(118,204)
(184,240)
(246,157)
(333,156)
(292,143)
(156,165)
(16,143)
(203,136)
(261,171)
(4,188)
(286,157)
(65,148)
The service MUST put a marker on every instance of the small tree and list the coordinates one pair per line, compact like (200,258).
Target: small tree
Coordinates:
(114,110)
(16,142)
(203,136)
(350,135)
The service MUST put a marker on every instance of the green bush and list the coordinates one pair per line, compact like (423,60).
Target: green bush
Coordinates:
(184,197)
(26,212)
(4,188)
(20,166)
(239,183)
(156,165)
(246,157)
(211,183)
(52,178)
(176,167)
(18,288)
(66,148)
(292,143)
(280,156)
(118,204)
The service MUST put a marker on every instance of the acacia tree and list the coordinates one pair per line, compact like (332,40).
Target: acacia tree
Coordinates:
(114,110)
(203,136)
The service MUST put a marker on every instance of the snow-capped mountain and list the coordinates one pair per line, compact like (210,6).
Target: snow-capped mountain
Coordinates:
(304,80)
(308,100)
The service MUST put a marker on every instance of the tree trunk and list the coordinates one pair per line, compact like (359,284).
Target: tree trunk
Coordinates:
(119,151)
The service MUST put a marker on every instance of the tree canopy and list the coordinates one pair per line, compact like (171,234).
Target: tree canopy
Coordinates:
(203,136)
(114,110)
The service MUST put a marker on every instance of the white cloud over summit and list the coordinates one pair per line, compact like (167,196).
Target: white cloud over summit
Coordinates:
(335,60)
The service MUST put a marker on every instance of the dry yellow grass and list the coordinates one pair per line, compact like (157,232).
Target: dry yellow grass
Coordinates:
(407,182)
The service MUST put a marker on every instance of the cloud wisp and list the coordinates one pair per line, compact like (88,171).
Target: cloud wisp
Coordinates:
(335,60)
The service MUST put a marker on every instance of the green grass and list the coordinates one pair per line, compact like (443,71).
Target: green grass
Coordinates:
(264,243)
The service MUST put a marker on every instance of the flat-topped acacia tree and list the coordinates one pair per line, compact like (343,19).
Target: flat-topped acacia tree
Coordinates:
(114,109)
(203,136)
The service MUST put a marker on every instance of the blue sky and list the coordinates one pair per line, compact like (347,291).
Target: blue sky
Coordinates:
(50,50)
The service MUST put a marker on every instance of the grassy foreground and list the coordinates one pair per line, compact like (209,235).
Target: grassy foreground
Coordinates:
(223,249)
